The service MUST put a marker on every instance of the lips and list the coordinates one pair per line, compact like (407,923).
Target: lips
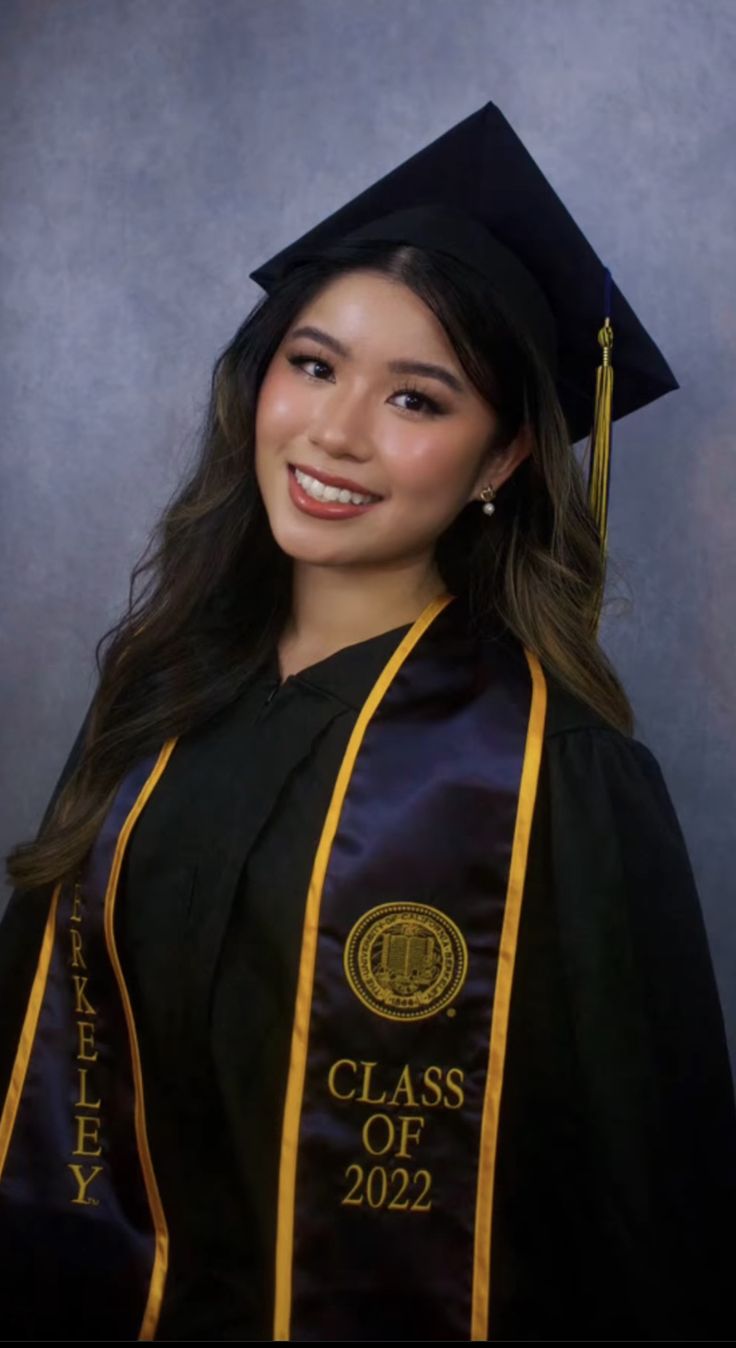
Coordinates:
(330,481)
(321,509)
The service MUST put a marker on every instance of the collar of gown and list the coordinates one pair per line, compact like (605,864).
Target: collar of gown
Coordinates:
(348,674)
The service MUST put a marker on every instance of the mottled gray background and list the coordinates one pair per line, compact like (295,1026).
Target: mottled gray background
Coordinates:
(155,151)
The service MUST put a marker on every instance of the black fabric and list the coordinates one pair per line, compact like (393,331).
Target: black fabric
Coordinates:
(615,1200)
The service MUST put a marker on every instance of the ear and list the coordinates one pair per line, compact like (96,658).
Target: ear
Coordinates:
(498,465)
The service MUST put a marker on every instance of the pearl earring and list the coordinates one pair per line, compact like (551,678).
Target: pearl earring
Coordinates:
(489,507)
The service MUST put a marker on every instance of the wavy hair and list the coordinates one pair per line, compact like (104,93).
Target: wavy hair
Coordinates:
(216,590)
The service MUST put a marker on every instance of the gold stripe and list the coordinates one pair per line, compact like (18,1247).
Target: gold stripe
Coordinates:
(161,1256)
(303,1005)
(28,1033)
(502,999)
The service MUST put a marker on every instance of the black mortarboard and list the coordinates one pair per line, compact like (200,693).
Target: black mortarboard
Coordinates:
(477,194)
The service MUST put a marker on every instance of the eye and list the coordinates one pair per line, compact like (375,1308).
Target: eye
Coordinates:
(301,361)
(432,408)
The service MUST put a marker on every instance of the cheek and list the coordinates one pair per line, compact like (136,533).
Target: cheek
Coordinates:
(280,406)
(427,464)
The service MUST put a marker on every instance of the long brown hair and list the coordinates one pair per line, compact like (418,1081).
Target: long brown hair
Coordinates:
(217,589)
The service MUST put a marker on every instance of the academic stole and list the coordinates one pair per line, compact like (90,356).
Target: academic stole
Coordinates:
(82,1232)
(392,1102)
(388,1143)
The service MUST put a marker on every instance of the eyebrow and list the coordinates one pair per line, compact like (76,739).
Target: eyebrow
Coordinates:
(430,371)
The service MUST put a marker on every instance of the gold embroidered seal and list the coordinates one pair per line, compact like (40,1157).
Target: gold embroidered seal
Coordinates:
(405,961)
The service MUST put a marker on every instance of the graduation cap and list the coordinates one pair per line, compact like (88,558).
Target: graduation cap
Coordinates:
(477,194)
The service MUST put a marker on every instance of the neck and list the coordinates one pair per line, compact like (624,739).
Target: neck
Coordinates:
(336,606)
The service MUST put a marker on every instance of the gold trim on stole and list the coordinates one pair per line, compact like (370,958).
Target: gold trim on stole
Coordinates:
(28,1034)
(502,999)
(161,1258)
(499,1024)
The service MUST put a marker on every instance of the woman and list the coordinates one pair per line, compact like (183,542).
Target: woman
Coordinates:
(357,984)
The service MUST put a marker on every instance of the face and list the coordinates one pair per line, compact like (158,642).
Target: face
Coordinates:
(331,404)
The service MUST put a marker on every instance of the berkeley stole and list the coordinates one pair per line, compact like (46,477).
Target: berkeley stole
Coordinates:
(389,1130)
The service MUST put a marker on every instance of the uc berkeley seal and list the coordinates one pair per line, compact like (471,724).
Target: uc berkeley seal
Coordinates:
(405,961)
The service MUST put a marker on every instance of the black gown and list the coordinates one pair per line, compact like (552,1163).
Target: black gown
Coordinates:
(615,1199)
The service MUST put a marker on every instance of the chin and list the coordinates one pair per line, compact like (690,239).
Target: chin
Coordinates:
(304,545)
(333,556)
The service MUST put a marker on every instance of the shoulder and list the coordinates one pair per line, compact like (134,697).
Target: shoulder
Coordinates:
(593,771)
(581,747)
(574,731)
(569,716)
(617,841)
(567,713)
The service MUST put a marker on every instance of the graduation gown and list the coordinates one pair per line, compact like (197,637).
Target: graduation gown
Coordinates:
(614,1197)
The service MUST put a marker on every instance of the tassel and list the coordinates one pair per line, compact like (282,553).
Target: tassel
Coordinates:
(600,444)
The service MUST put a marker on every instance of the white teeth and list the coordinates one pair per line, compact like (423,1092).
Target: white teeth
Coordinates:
(321,492)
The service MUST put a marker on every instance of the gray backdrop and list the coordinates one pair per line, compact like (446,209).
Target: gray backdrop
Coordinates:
(156,151)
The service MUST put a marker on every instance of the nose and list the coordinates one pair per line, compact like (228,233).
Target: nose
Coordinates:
(340,427)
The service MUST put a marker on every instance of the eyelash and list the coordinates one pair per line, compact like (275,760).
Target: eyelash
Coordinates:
(433,409)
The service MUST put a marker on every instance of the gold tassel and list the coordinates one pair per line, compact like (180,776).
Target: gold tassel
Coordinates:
(600,462)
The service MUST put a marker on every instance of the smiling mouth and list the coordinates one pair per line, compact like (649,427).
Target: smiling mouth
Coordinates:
(326,509)
(339,494)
